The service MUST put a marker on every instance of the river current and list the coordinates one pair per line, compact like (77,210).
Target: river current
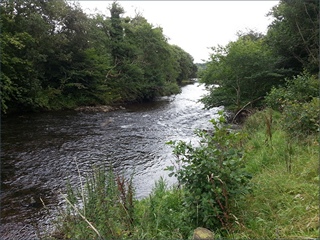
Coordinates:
(40,153)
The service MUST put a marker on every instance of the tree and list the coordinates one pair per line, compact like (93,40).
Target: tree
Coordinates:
(187,69)
(55,56)
(20,78)
(144,63)
(155,57)
(46,57)
(243,70)
(294,35)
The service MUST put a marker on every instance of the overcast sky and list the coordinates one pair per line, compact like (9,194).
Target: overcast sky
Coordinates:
(195,26)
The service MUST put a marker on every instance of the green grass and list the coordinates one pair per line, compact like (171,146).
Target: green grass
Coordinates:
(283,201)
(109,211)
(160,215)
(284,198)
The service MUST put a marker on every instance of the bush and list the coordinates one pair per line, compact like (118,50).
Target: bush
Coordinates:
(302,118)
(212,175)
(299,102)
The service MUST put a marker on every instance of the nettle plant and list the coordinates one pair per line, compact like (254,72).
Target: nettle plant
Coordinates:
(212,175)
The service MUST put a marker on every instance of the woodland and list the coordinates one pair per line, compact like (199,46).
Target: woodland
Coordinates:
(55,56)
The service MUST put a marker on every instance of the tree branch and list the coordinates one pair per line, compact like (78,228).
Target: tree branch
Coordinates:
(244,108)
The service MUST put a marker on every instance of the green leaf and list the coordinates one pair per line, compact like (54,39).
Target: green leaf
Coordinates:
(169,168)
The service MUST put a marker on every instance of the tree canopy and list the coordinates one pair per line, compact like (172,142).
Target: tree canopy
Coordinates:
(244,71)
(54,56)
(294,35)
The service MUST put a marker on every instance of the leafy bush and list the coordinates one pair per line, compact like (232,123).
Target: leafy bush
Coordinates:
(301,88)
(302,118)
(299,102)
(212,175)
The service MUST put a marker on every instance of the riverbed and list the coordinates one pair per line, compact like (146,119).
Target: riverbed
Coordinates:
(41,153)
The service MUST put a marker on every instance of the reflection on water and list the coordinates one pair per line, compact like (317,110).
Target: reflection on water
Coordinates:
(41,152)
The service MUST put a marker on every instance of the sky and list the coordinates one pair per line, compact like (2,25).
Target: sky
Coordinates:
(196,26)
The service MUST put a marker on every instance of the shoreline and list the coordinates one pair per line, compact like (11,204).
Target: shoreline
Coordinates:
(100,108)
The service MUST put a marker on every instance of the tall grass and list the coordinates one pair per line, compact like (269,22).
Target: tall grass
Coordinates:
(160,216)
(105,208)
(101,209)
(284,198)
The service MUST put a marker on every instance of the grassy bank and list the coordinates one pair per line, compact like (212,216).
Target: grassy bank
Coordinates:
(281,201)
(284,202)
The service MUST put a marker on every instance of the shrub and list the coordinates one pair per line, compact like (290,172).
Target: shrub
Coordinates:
(299,103)
(212,175)
(302,118)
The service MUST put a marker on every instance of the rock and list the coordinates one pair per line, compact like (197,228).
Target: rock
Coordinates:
(202,233)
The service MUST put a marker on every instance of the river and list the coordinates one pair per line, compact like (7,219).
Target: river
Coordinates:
(41,152)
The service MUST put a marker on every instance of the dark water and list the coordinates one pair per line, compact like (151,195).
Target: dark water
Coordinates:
(40,153)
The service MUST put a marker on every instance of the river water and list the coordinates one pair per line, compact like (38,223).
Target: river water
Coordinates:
(41,152)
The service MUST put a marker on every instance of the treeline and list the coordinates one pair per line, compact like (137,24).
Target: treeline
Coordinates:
(247,69)
(55,56)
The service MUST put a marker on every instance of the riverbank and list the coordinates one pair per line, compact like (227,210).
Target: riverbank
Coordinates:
(282,201)
(100,108)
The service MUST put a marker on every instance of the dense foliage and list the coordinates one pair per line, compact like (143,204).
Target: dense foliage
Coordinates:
(245,70)
(53,56)
(299,102)
(212,176)
(294,35)
(277,71)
